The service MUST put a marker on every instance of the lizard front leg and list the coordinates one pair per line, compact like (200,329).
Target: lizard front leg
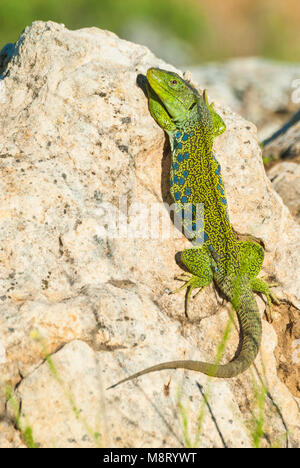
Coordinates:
(198,263)
(218,123)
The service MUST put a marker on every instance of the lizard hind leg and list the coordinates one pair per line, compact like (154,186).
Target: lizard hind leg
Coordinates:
(198,263)
(252,256)
(261,286)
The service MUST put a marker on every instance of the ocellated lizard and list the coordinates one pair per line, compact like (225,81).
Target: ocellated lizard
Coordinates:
(195,178)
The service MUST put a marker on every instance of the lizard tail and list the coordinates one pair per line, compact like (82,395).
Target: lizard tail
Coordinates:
(250,326)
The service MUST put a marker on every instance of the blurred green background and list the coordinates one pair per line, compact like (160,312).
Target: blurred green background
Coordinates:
(180,31)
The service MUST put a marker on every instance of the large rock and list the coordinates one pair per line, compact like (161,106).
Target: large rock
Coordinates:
(77,143)
(285,143)
(285,177)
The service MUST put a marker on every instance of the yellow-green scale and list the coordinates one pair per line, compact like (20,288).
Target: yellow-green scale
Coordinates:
(196,178)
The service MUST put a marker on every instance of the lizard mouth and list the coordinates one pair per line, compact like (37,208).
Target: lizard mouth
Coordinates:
(157,98)
(176,101)
(160,87)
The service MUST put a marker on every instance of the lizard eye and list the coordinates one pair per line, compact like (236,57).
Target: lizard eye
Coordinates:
(173,82)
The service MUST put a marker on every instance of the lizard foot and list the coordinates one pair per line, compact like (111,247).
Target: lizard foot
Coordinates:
(261,286)
(190,282)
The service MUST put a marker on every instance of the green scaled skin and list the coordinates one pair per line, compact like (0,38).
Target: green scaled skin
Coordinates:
(195,177)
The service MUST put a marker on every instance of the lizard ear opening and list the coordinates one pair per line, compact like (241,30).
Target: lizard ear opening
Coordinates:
(193,105)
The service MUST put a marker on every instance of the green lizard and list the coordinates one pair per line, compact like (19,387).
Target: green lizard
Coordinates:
(195,177)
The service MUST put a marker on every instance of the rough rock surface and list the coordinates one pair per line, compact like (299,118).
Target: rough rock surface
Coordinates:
(262,91)
(9,437)
(75,136)
(285,177)
(285,143)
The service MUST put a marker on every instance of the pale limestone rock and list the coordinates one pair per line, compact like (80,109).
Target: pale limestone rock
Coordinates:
(65,411)
(285,143)
(285,177)
(76,133)
(9,437)
(115,416)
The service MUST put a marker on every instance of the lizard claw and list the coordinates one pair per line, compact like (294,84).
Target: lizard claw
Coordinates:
(187,283)
(271,297)
(183,277)
(190,282)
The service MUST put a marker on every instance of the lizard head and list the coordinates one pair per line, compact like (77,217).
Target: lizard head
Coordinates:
(179,98)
